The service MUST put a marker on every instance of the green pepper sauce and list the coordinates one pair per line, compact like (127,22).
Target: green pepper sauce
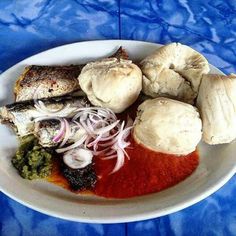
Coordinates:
(32,160)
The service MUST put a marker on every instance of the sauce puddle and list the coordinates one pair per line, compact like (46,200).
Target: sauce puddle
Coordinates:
(146,172)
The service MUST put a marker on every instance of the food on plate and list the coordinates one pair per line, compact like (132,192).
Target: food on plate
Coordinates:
(93,131)
(46,130)
(80,179)
(31,160)
(79,142)
(38,81)
(120,54)
(174,71)
(217,104)
(168,126)
(111,83)
(46,81)
(145,172)
(21,115)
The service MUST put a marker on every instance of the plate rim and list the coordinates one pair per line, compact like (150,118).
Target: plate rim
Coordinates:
(124,218)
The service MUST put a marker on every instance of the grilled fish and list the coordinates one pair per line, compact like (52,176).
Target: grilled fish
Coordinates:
(51,81)
(47,81)
(46,130)
(21,115)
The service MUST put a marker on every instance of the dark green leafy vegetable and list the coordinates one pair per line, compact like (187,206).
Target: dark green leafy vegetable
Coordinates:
(31,160)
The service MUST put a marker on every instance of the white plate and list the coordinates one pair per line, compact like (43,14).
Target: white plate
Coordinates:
(217,164)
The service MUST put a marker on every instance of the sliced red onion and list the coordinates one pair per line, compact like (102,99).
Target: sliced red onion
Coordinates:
(109,157)
(40,106)
(74,145)
(102,130)
(67,133)
(95,141)
(111,151)
(120,160)
(60,133)
(101,152)
(107,128)
(78,124)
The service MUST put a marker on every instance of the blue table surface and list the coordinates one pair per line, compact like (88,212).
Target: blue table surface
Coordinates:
(31,26)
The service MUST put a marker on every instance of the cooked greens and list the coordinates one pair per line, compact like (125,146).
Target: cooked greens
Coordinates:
(31,160)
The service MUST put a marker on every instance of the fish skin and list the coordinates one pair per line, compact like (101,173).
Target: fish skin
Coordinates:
(47,81)
(22,114)
(46,130)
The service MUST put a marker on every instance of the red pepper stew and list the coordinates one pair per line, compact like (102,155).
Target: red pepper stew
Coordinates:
(146,172)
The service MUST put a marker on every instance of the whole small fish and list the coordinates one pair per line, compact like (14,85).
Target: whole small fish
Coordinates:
(21,115)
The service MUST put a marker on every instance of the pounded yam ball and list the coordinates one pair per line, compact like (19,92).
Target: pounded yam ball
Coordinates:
(174,71)
(217,104)
(111,83)
(168,126)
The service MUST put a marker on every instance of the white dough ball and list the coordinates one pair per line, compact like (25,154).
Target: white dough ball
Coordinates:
(168,126)
(111,83)
(174,71)
(217,104)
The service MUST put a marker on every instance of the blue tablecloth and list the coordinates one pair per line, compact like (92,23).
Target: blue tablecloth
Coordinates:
(31,26)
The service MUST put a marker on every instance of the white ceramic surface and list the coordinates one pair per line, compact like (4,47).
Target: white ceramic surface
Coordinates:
(217,163)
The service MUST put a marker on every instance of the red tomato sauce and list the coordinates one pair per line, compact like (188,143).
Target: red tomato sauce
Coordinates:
(56,176)
(146,172)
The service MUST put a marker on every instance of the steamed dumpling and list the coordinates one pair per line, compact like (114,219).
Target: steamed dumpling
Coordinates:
(111,83)
(168,126)
(174,71)
(217,104)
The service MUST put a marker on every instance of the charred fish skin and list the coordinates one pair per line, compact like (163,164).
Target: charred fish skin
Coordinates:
(22,114)
(47,81)
(29,104)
